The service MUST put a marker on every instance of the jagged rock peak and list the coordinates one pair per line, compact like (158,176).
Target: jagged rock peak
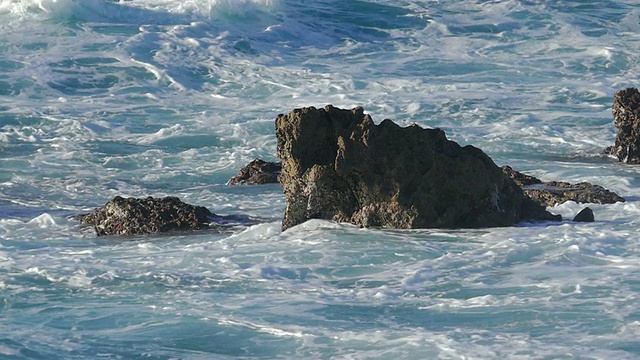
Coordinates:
(338,164)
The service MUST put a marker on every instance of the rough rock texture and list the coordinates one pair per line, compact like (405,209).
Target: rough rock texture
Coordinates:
(133,216)
(626,117)
(337,164)
(519,178)
(585,215)
(552,193)
(257,172)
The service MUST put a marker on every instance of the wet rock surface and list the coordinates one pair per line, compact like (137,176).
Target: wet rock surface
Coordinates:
(132,216)
(552,193)
(626,117)
(257,172)
(338,165)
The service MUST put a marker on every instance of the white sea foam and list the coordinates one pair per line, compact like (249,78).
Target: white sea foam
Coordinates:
(203,7)
(34,8)
(42,221)
(31,7)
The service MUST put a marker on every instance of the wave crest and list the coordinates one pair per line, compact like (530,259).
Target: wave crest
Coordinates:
(158,11)
(31,8)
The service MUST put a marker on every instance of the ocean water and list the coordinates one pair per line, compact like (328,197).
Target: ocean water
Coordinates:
(166,97)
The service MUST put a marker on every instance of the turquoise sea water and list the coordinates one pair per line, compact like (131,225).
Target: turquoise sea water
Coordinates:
(100,98)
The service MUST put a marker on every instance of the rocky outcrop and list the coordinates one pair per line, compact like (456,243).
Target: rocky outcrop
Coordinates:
(337,164)
(257,172)
(133,216)
(552,193)
(626,117)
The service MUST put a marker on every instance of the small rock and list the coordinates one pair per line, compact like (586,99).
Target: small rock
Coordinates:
(585,215)
(133,216)
(257,172)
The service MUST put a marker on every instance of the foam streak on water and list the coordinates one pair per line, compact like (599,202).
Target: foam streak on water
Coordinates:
(160,97)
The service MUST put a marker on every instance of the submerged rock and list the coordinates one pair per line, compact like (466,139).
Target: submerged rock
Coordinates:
(133,216)
(626,117)
(257,172)
(552,193)
(585,215)
(337,164)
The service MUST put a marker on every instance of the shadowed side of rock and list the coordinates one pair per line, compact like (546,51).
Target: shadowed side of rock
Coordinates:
(133,216)
(337,164)
(552,193)
(257,172)
(626,117)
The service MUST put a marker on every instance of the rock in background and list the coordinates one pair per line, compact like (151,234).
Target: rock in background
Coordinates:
(337,164)
(626,117)
(133,216)
(257,172)
(552,193)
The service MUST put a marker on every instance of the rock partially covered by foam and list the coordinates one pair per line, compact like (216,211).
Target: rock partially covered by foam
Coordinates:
(257,172)
(552,193)
(132,216)
(626,117)
(338,165)
(585,215)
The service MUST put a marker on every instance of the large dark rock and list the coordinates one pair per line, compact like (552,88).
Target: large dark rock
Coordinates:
(337,164)
(552,193)
(133,216)
(626,117)
(257,172)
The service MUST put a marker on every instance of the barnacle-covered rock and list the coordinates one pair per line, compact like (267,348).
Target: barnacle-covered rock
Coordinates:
(132,216)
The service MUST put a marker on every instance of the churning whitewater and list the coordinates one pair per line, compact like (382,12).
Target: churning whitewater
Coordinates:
(105,98)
